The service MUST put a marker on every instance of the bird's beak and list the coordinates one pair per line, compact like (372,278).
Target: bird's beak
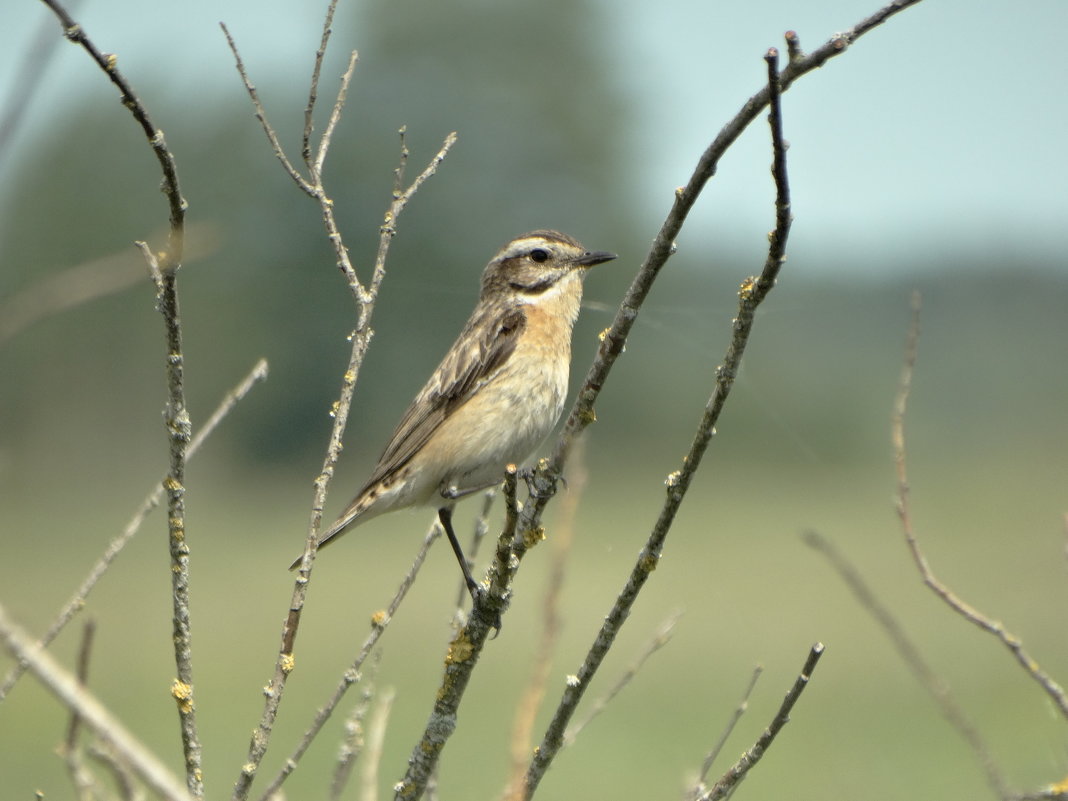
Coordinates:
(592,257)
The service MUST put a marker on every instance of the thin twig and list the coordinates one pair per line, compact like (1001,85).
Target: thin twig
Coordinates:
(658,641)
(1052,689)
(85,785)
(376,736)
(730,780)
(752,293)
(313,89)
(335,116)
(171,191)
(353,742)
(165,268)
(77,601)
(379,622)
(94,715)
(714,752)
(361,339)
(125,780)
(912,658)
(261,115)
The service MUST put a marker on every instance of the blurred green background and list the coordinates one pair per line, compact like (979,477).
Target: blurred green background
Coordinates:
(914,164)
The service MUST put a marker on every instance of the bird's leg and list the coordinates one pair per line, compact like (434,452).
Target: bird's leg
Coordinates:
(445,517)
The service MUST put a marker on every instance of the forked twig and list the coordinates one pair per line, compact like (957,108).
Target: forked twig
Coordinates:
(730,780)
(752,293)
(364,298)
(714,752)
(379,622)
(1052,689)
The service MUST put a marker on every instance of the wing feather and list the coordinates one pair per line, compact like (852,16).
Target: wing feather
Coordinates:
(483,347)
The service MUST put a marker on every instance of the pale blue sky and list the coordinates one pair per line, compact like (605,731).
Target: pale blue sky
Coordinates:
(944,128)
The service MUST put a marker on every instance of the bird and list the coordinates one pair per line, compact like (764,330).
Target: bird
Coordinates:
(496,395)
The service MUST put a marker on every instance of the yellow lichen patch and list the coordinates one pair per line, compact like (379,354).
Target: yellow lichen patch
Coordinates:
(589,416)
(532,536)
(288,663)
(380,618)
(649,562)
(183,694)
(460,650)
(747,287)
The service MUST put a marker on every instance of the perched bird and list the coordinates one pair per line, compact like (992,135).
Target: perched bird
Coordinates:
(496,395)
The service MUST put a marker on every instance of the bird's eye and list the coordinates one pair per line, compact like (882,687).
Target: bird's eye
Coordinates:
(539,255)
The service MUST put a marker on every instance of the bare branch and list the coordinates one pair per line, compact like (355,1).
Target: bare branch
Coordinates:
(313,90)
(733,777)
(582,412)
(176,419)
(656,642)
(376,735)
(85,786)
(93,715)
(379,622)
(261,115)
(912,657)
(752,293)
(353,742)
(179,430)
(77,601)
(714,753)
(364,298)
(335,116)
(1052,689)
(107,62)
(464,652)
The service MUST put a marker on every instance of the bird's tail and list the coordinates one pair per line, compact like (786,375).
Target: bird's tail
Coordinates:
(340,526)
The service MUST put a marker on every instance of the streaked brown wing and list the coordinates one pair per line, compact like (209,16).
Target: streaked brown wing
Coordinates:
(484,345)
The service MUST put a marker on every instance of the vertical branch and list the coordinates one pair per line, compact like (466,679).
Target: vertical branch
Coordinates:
(752,293)
(179,430)
(164,267)
(364,298)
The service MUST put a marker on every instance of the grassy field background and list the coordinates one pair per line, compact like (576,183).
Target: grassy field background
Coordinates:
(803,444)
